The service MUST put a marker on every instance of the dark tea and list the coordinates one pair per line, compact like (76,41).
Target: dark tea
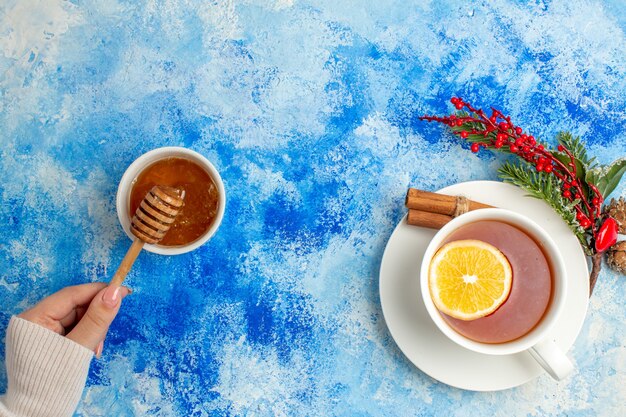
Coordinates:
(201,197)
(531,288)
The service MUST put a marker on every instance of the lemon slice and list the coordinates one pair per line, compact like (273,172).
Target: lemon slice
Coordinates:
(469,279)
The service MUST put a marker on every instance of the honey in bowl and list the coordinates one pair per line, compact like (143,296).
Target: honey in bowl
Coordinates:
(201,197)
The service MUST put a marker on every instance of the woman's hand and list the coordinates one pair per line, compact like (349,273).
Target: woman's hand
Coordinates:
(82,313)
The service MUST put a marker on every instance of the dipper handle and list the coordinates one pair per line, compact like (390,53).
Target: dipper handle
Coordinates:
(153,218)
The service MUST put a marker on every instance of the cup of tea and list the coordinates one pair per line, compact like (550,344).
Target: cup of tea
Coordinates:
(535,275)
(204,202)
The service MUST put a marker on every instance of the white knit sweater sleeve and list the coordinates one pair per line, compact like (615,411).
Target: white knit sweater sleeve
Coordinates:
(46,372)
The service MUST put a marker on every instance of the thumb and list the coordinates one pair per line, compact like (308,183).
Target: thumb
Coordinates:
(94,325)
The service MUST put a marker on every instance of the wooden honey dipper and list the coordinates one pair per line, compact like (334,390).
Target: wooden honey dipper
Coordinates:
(152,219)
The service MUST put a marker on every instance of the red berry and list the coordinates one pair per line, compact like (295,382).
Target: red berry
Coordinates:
(464,134)
(498,144)
(513,148)
(501,136)
(585,223)
(519,142)
(518,130)
(540,147)
(566,186)
(567,194)
(454,100)
(475,147)
(503,125)
(561,148)
(548,168)
(539,167)
(526,148)
(493,119)
(577,195)
(607,235)
(595,201)
(580,216)
(459,105)
(459,122)
(574,183)
(532,141)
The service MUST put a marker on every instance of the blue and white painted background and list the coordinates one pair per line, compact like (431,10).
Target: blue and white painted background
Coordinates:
(308,109)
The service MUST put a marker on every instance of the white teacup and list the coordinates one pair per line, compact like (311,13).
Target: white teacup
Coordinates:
(538,342)
(126,183)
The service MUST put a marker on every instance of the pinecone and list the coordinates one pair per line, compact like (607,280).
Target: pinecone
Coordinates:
(616,257)
(617,210)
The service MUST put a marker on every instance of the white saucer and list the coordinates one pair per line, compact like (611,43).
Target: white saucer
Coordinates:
(418,337)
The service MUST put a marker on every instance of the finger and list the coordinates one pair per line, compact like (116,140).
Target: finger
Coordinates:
(99,349)
(80,312)
(70,319)
(68,322)
(61,303)
(93,327)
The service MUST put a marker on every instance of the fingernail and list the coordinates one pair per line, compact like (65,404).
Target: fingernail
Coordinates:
(111,296)
(129,291)
(99,349)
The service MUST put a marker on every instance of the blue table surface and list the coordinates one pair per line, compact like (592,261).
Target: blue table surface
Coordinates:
(309,111)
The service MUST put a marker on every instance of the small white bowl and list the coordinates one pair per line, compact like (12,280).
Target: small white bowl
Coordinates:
(122,201)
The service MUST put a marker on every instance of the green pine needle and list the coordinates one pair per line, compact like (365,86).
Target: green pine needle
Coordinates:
(547,188)
(576,146)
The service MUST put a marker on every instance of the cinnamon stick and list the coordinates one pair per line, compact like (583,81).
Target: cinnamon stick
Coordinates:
(426,219)
(434,210)
(437,203)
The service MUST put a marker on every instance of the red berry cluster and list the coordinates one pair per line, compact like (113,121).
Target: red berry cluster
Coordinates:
(497,131)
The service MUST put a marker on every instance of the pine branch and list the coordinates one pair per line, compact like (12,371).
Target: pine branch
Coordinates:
(573,184)
(576,147)
(547,188)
